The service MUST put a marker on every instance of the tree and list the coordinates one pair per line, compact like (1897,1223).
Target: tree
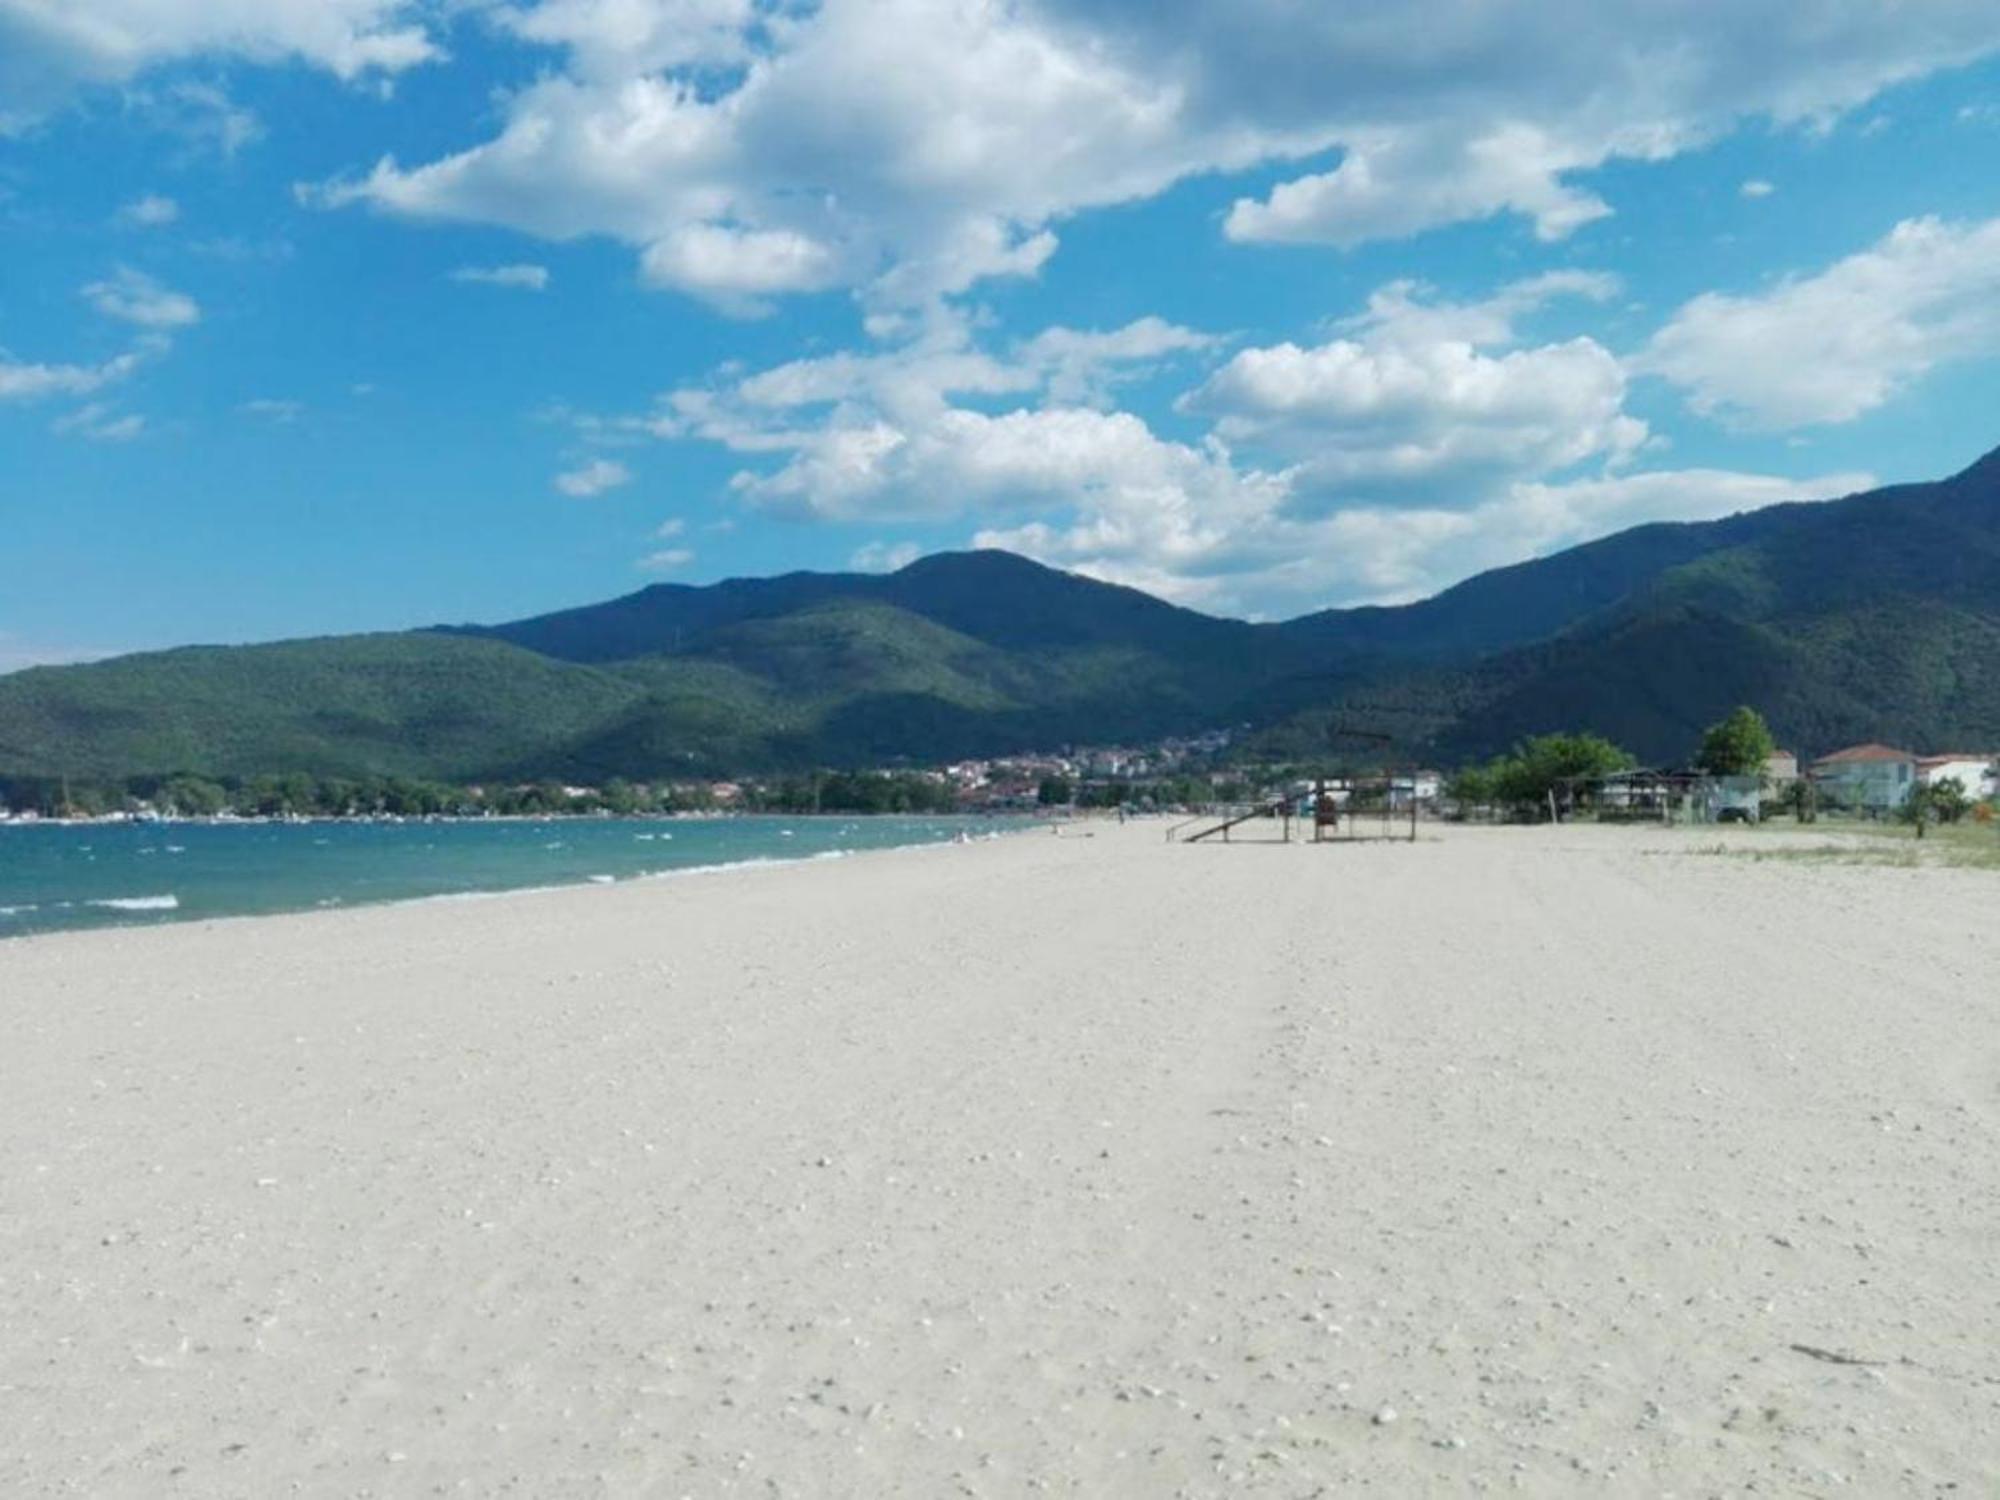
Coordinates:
(1737,746)
(1541,764)
(1916,807)
(1800,798)
(1949,800)
(1472,787)
(1055,791)
(1940,801)
(192,797)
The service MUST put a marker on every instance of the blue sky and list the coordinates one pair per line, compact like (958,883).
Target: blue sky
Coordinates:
(329,315)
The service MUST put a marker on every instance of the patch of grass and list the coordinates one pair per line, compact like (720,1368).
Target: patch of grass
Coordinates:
(1962,846)
(1834,854)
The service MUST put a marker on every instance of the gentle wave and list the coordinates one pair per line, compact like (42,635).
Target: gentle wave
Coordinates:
(245,872)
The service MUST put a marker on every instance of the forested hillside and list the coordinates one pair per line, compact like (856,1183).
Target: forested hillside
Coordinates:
(1871,617)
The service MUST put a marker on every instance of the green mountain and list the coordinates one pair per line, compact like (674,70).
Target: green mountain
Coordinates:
(1876,616)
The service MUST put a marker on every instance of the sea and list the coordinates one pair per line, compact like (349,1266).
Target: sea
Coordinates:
(59,876)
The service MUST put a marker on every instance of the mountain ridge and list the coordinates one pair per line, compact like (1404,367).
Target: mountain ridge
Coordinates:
(1870,615)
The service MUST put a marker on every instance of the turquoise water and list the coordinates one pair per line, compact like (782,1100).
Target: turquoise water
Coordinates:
(57,876)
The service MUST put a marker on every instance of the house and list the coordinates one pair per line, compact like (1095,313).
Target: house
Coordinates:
(1424,786)
(1781,769)
(1869,778)
(1971,770)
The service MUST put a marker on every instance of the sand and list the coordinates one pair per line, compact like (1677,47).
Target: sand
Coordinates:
(1540,1161)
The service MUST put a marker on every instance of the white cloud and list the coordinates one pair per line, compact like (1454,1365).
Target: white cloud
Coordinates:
(1829,347)
(616,38)
(49,48)
(1756,187)
(884,557)
(134,297)
(1082,366)
(527,278)
(279,410)
(98,423)
(879,434)
(1410,402)
(667,559)
(201,115)
(153,211)
(28,382)
(1399,182)
(1381,418)
(668,529)
(1425,441)
(593,478)
(736,268)
(1272,563)
(911,148)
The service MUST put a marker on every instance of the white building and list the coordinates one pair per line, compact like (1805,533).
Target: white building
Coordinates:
(1971,771)
(1425,786)
(1875,778)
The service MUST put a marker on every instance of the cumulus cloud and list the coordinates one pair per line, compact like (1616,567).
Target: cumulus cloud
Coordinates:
(593,478)
(527,278)
(1399,182)
(667,559)
(875,435)
(20,381)
(1756,187)
(1424,441)
(49,48)
(276,409)
(202,115)
(1829,347)
(736,268)
(911,148)
(98,423)
(134,297)
(1274,563)
(1409,400)
(616,38)
(884,557)
(153,211)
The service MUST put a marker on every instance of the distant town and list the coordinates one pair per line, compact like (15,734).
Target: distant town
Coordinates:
(1731,778)
(1174,772)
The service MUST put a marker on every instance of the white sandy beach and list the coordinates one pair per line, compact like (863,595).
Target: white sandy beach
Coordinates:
(1519,1160)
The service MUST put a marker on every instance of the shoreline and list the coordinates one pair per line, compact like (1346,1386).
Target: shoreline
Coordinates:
(453,818)
(148,911)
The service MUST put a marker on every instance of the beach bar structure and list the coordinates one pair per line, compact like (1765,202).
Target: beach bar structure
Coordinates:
(1354,808)
(1662,796)
(1338,809)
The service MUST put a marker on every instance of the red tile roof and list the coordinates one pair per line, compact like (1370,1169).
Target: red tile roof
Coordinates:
(1856,753)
